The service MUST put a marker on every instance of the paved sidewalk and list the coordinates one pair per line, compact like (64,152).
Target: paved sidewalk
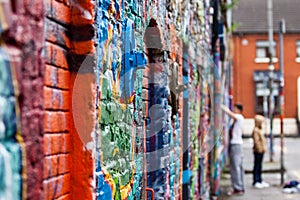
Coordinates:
(271,173)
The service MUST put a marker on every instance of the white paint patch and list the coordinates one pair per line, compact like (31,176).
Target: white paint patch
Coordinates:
(90,146)
(245,42)
(5,165)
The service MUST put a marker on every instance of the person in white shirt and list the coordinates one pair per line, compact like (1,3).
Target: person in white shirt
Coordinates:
(235,149)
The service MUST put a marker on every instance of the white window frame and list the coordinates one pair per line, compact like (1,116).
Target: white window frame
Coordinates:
(263,45)
(297,60)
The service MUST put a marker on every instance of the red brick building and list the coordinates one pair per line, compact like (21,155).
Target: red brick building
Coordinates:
(251,62)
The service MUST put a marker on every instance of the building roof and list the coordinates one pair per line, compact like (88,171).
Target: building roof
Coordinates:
(252,16)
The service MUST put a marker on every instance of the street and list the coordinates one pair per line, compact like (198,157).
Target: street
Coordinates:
(271,172)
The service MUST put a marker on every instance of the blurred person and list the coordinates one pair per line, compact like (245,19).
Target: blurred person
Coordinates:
(259,148)
(236,149)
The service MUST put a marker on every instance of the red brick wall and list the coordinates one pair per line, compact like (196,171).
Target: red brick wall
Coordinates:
(68,43)
(244,65)
(292,71)
(57,136)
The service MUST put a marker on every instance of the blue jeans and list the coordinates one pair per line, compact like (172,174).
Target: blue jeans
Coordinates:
(258,158)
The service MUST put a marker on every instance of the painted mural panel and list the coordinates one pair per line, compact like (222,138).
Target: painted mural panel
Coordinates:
(156,98)
(119,78)
(10,150)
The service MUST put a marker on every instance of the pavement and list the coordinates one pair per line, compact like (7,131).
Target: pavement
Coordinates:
(271,172)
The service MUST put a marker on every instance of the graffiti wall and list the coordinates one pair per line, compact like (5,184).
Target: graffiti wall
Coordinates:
(112,99)
(158,83)
(120,125)
(11,154)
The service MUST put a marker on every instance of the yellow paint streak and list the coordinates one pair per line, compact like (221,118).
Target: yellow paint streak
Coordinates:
(125,190)
(108,178)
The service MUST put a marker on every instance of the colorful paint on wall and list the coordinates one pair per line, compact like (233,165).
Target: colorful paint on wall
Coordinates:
(145,110)
(10,150)
(136,99)
(11,162)
(120,156)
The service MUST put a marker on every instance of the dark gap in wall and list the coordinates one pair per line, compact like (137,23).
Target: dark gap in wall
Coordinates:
(13,6)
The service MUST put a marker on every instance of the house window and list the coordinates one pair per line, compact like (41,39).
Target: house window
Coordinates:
(262,51)
(263,98)
(298,51)
(298,48)
(262,92)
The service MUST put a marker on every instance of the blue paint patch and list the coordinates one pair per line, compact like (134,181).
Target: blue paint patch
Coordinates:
(186,176)
(10,150)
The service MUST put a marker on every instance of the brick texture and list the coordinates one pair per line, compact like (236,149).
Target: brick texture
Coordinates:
(57,95)
(57,143)
(57,187)
(56,99)
(57,77)
(56,165)
(56,121)
(56,55)
(56,33)
(58,11)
